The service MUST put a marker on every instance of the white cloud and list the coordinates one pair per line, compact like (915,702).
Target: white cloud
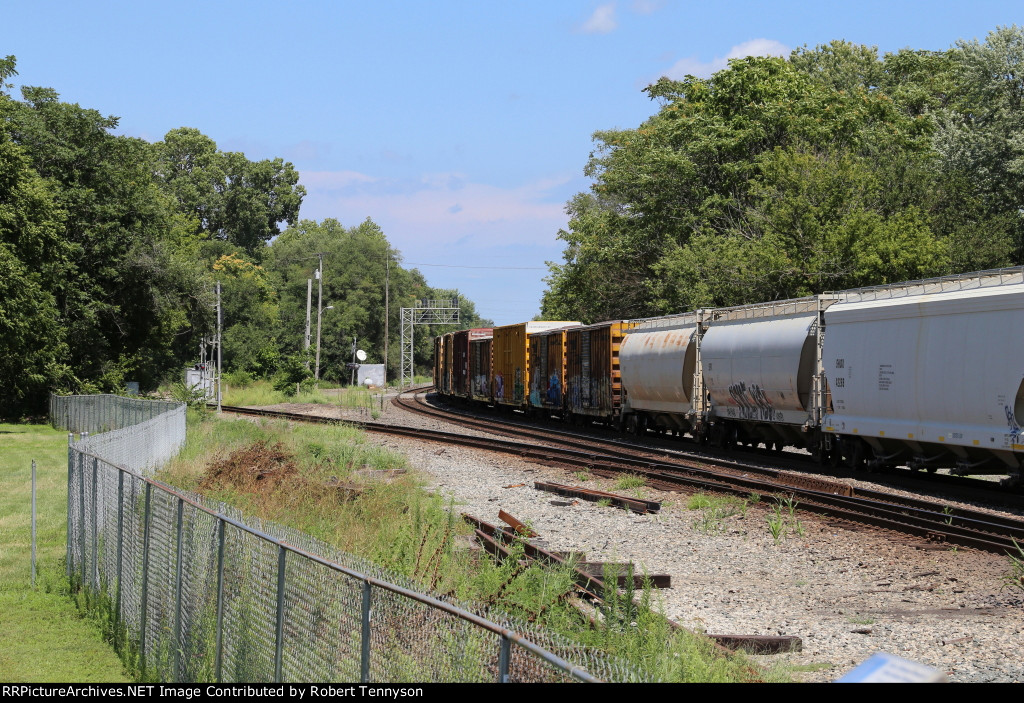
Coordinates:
(602,21)
(704,69)
(332,180)
(647,7)
(439,208)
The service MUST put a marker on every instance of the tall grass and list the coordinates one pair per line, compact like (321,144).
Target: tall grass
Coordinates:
(260,393)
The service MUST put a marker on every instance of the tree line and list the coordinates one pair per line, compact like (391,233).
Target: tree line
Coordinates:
(110,247)
(776,178)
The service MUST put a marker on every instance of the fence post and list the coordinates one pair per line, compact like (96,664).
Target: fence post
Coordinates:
(145,580)
(364,668)
(81,514)
(176,673)
(220,600)
(120,544)
(94,575)
(71,471)
(33,523)
(279,639)
(504,656)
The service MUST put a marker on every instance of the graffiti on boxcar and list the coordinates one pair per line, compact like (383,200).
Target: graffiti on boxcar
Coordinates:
(480,385)
(752,402)
(517,385)
(499,386)
(554,394)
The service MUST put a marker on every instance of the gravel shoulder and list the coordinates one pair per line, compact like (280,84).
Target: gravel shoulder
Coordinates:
(846,590)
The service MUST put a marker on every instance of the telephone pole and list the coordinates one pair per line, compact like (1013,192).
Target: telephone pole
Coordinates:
(319,311)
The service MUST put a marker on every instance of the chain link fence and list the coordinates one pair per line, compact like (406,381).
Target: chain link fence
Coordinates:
(206,595)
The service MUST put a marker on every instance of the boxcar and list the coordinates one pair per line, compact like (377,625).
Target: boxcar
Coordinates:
(593,379)
(438,362)
(460,374)
(547,370)
(480,369)
(509,361)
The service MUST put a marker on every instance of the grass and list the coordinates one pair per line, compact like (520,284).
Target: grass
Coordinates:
(261,393)
(861,621)
(1014,577)
(782,520)
(45,637)
(630,481)
(715,509)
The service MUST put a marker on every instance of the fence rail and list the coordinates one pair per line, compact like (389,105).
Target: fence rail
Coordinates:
(206,595)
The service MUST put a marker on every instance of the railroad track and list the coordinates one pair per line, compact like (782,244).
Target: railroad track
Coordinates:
(921,518)
(771,462)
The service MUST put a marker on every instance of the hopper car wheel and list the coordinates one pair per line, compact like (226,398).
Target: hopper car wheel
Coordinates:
(835,457)
(856,459)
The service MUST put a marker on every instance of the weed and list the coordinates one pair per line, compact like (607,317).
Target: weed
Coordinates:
(948,512)
(605,502)
(782,519)
(698,501)
(777,525)
(715,509)
(582,476)
(630,481)
(1014,577)
(861,621)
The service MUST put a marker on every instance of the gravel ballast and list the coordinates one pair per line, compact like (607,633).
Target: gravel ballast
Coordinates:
(847,591)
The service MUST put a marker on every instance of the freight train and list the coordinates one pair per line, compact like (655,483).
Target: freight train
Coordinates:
(927,374)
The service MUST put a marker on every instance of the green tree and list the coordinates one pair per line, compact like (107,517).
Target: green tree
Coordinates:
(704,203)
(227,196)
(33,258)
(125,292)
(355,265)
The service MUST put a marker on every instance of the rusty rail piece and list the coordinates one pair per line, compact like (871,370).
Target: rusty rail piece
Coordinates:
(760,644)
(493,539)
(915,517)
(594,569)
(637,505)
(599,569)
(520,527)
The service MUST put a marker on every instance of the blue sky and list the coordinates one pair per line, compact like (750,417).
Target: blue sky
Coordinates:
(462,128)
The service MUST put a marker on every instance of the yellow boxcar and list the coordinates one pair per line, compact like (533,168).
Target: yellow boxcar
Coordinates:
(593,381)
(510,353)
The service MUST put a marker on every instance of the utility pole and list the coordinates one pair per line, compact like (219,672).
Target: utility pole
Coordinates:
(387,314)
(309,300)
(352,381)
(218,346)
(319,311)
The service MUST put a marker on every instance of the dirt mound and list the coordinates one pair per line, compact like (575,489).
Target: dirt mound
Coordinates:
(258,468)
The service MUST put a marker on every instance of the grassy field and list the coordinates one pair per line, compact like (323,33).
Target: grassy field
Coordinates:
(43,637)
